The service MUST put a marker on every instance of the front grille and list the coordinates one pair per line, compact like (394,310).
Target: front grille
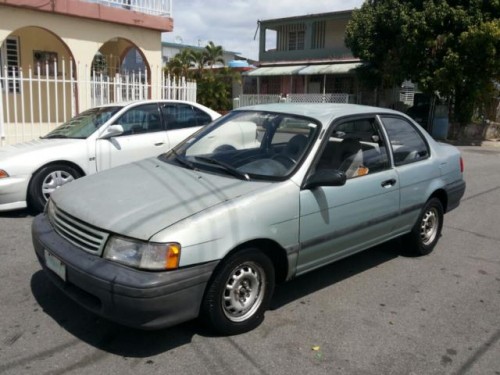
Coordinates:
(80,234)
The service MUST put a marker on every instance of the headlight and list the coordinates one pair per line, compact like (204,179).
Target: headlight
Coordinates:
(3,174)
(144,255)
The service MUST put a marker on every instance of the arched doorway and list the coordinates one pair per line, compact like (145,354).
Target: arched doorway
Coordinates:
(35,78)
(120,72)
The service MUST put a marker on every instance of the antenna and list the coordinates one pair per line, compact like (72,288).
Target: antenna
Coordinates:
(256,30)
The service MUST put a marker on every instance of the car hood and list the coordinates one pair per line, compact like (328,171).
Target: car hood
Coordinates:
(34,146)
(23,158)
(140,199)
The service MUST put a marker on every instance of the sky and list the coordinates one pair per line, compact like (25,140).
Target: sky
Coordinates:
(232,24)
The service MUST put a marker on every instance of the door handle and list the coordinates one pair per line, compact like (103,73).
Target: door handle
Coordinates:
(388,183)
(159,144)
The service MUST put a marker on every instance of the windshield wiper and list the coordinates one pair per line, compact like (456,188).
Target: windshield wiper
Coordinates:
(54,136)
(226,167)
(181,160)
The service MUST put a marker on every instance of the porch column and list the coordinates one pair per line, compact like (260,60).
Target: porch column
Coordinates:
(2,131)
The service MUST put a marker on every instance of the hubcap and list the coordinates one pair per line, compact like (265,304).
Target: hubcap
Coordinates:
(53,181)
(429,226)
(243,293)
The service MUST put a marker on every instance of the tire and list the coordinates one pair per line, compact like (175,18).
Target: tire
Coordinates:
(239,292)
(427,230)
(46,180)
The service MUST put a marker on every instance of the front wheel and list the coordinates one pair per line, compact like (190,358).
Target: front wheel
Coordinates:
(46,181)
(239,293)
(427,230)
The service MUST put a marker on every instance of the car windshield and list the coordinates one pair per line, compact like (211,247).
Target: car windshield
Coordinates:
(248,145)
(83,125)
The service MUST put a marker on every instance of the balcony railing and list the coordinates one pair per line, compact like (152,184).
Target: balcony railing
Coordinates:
(162,8)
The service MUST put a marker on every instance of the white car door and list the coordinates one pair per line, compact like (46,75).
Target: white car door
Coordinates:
(144,136)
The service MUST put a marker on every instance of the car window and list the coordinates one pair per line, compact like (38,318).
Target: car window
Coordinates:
(180,116)
(261,145)
(407,144)
(141,119)
(85,123)
(355,147)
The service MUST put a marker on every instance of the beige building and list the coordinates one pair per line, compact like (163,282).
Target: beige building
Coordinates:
(60,57)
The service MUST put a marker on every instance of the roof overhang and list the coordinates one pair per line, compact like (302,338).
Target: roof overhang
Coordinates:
(276,71)
(319,69)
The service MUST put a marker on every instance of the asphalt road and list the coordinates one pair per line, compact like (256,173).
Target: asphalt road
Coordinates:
(379,312)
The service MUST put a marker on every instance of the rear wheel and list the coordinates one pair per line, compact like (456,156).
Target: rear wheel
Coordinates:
(46,181)
(239,293)
(427,230)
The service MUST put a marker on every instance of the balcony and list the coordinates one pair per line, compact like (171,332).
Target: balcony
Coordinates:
(161,8)
(149,14)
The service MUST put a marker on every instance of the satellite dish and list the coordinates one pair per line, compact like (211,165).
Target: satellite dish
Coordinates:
(178,39)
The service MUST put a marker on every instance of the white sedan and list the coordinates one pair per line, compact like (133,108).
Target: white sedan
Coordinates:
(97,139)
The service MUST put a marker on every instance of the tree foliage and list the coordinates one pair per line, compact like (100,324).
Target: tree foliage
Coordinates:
(214,86)
(450,47)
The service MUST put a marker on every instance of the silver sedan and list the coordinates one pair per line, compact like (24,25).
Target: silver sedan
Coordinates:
(260,196)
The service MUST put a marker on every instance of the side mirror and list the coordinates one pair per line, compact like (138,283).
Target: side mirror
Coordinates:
(325,177)
(112,131)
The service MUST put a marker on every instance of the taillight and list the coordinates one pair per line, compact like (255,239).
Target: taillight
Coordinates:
(461,165)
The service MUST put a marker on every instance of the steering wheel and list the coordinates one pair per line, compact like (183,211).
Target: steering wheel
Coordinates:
(284,159)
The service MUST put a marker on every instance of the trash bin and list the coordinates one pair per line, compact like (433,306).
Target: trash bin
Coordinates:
(440,124)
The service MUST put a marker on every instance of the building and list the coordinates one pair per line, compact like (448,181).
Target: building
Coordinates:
(304,58)
(60,57)
(169,50)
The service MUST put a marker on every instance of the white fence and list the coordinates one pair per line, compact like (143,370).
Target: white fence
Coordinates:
(34,103)
(252,99)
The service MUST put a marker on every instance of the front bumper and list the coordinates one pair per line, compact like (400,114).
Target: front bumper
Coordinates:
(140,299)
(13,193)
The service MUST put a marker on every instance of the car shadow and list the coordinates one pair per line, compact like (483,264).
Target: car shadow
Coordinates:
(129,342)
(335,272)
(16,214)
(103,334)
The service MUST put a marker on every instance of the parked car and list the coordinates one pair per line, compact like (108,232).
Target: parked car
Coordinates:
(207,229)
(95,140)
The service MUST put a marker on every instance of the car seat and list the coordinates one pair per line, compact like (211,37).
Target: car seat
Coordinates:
(296,146)
(348,156)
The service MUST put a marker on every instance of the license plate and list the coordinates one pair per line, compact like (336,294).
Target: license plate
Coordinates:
(55,265)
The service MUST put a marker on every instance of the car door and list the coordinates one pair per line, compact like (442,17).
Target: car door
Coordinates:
(336,221)
(414,165)
(182,120)
(143,136)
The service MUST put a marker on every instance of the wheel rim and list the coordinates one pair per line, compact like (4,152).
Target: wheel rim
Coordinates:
(243,292)
(54,181)
(429,226)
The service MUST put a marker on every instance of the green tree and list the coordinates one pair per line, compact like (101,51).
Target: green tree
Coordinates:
(214,85)
(213,54)
(446,46)
(181,63)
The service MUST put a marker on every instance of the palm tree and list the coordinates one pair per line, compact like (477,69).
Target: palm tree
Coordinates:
(213,54)
(181,63)
(199,60)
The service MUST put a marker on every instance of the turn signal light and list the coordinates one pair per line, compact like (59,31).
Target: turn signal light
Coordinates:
(173,256)
(3,174)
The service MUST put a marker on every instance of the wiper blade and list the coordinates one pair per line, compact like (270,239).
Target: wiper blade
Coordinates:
(226,167)
(181,160)
(54,136)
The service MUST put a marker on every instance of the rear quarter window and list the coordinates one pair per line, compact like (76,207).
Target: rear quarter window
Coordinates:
(407,143)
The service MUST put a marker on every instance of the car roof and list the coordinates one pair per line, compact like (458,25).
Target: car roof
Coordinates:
(145,101)
(324,112)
